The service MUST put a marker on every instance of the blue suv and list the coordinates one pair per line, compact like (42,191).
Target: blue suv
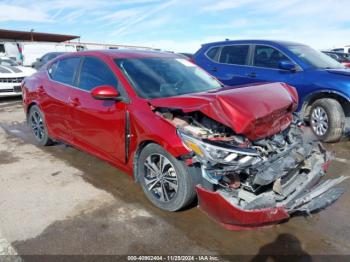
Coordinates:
(322,83)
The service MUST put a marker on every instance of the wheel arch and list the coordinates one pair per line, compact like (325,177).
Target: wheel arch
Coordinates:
(137,153)
(29,107)
(310,99)
(175,152)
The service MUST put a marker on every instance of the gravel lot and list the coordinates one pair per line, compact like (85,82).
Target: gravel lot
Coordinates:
(58,200)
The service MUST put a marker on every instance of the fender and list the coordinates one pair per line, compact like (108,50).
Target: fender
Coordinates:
(305,101)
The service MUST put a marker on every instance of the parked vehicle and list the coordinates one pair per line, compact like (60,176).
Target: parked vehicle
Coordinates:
(11,50)
(11,76)
(188,56)
(45,58)
(344,49)
(342,58)
(180,133)
(31,51)
(322,83)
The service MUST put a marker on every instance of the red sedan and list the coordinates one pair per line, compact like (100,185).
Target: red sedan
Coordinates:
(181,134)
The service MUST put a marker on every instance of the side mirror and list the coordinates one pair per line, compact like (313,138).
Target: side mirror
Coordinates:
(287,65)
(105,93)
(38,59)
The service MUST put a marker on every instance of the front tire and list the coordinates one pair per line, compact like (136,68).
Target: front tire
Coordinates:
(327,120)
(164,179)
(37,124)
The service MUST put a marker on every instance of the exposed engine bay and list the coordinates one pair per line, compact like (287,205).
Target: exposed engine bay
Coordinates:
(280,170)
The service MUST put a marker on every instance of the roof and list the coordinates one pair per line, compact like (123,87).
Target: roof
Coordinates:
(255,41)
(34,36)
(127,53)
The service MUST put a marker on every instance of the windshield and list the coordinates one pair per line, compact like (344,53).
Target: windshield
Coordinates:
(165,77)
(7,62)
(314,58)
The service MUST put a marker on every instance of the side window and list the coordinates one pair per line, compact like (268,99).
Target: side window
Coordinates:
(2,48)
(213,53)
(235,54)
(52,69)
(95,73)
(64,70)
(266,56)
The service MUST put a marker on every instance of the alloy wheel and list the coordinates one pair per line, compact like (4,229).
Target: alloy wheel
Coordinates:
(37,125)
(160,177)
(319,121)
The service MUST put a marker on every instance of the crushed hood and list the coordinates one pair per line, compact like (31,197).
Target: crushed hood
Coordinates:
(255,111)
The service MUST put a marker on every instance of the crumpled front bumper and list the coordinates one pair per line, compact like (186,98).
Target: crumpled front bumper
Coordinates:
(306,193)
(234,218)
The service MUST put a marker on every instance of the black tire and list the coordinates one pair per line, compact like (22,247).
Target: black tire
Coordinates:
(335,119)
(185,192)
(36,122)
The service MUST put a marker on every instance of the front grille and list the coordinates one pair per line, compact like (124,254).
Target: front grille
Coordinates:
(8,90)
(11,80)
(15,89)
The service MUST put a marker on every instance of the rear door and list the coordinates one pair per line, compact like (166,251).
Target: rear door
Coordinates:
(98,125)
(55,96)
(231,65)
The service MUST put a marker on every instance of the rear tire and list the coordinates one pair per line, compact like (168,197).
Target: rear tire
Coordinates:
(38,126)
(327,120)
(164,179)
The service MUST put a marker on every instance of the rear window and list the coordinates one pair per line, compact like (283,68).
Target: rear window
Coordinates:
(235,54)
(213,53)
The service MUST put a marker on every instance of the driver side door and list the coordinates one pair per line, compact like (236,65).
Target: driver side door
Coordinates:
(265,67)
(98,126)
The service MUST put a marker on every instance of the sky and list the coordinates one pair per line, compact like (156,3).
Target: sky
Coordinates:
(183,25)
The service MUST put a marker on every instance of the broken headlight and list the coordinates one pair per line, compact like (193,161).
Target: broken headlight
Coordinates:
(218,154)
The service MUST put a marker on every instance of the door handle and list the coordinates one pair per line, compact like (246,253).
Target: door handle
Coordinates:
(252,74)
(214,69)
(74,101)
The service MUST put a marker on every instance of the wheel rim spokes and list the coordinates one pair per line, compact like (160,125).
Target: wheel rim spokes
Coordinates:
(37,125)
(160,177)
(319,121)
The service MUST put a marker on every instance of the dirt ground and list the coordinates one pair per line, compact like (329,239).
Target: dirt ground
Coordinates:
(59,200)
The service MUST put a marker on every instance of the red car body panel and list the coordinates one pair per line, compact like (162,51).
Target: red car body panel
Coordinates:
(98,127)
(255,111)
(346,64)
(234,218)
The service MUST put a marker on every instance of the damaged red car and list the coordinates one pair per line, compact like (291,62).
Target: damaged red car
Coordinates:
(183,135)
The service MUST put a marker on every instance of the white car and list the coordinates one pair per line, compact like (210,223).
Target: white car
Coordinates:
(11,76)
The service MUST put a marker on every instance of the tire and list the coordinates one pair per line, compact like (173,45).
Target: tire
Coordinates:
(37,124)
(179,193)
(327,120)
